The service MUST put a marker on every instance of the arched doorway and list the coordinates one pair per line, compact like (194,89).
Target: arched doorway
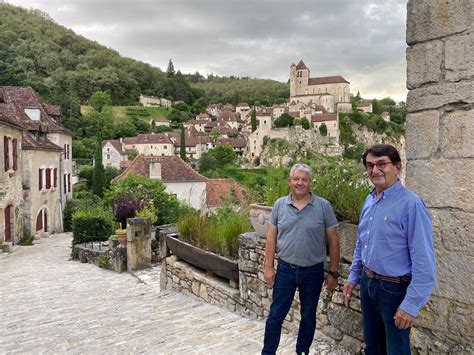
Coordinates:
(8,223)
(42,221)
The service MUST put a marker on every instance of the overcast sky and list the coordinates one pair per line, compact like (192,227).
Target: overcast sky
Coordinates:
(362,40)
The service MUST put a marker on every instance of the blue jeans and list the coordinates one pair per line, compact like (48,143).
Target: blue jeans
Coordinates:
(288,279)
(379,301)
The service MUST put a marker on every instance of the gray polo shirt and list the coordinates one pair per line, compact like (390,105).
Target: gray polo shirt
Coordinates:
(301,238)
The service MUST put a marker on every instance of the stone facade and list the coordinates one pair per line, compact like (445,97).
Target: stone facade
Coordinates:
(11,190)
(440,148)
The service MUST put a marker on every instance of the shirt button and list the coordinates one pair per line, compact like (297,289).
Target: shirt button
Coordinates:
(370,218)
(365,247)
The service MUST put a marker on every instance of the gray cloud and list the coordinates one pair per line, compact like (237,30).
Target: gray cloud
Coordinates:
(363,40)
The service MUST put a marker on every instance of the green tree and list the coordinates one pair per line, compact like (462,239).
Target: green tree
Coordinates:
(253,120)
(285,120)
(182,144)
(100,100)
(305,123)
(98,176)
(224,154)
(323,130)
(170,70)
(132,154)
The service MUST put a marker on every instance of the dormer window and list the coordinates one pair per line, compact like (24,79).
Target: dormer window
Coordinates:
(33,113)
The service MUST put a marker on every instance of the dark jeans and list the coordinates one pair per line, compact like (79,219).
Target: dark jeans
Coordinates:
(288,279)
(379,301)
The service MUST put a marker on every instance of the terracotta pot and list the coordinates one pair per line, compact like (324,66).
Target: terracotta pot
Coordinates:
(122,238)
(259,216)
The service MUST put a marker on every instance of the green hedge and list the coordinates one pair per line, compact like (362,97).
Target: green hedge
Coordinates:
(94,224)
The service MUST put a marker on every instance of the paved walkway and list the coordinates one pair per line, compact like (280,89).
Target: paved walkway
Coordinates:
(49,304)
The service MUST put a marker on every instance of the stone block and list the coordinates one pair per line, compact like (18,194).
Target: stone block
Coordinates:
(434,315)
(439,95)
(457,134)
(332,332)
(354,345)
(442,183)
(460,321)
(337,298)
(428,19)
(456,231)
(454,277)
(347,240)
(422,134)
(346,319)
(424,63)
(459,57)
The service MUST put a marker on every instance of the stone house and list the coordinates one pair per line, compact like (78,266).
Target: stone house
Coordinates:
(330,120)
(149,101)
(150,144)
(113,152)
(365,106)
(182,181)
(11,188)
(46,162)
(159,122)
(332,92)
(242,109)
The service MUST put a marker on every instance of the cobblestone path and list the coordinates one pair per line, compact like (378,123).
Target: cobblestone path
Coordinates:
(49,304)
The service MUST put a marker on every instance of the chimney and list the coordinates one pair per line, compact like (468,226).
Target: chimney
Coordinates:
(155,169)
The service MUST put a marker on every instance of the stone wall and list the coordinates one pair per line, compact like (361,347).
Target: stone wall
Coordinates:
(440,151)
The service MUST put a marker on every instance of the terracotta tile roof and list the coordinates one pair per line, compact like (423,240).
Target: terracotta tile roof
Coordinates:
(320,108)
(26,98)
(227,115)
(364,103)
(9,114)
(233,142)
(197,122)
(294,113)
(53,110)
(116,144)
(301,65)
(173,169)
(124,164)
(218,190)
(29,142)
(151,138)
(323,117)
(327,80)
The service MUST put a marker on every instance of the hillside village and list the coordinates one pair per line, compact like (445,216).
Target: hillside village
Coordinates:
(37,175)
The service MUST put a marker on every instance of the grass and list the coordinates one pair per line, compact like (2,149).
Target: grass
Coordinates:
(218,232)
(121,113)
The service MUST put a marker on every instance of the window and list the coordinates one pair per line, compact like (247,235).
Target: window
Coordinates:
(108,156)
(15,153)
(68,182)
(55,177)
(65,183)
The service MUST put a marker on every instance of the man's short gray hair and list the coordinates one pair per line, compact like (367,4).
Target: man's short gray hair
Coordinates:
(301,167)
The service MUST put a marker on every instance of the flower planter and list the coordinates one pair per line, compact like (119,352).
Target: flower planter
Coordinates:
(216,264)
(259,216)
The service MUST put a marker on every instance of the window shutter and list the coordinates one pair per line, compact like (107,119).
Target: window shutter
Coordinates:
(40,179)
(55,171)
(48,178)
(6,162)
(69,183)
(15,154)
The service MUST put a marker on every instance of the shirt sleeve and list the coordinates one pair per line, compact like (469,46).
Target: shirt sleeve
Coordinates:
(356,266)
(274,215)
(330,219)
(423,263)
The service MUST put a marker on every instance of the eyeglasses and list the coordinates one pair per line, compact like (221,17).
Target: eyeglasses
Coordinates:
(380,165)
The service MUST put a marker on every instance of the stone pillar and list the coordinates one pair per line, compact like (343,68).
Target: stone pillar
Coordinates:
(440,164)
(138,243)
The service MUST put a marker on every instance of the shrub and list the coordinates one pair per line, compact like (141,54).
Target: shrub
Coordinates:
(26,238)
(148,212)
(83,200)
(93,224)
(103,261)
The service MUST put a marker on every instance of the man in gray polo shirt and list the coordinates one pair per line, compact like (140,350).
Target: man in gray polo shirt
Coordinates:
(299,225)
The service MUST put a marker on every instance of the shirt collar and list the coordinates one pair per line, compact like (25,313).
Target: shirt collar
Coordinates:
(389,191)
(289,200)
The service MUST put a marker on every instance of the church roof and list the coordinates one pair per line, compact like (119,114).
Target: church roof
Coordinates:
(327,80)
(323,117)
(301,65)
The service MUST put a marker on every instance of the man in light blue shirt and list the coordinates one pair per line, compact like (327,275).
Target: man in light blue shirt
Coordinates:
(394,259)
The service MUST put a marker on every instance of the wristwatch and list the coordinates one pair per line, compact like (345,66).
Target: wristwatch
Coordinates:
(334,274)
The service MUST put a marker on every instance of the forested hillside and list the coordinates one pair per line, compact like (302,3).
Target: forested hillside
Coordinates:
(64,67)
(235,90)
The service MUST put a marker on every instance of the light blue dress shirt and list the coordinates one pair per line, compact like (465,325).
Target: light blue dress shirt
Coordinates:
(396,239)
